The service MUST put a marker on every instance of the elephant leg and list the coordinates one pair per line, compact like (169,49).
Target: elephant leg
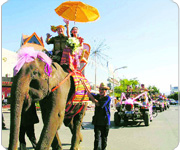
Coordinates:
(75,129)
(79,133)
(77,136)
(52,119)
(70,125)
(49,131)
(56,144)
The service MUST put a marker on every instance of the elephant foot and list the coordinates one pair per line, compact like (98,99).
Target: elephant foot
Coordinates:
(33,142)
(57,148)
(22,146)
(80,137)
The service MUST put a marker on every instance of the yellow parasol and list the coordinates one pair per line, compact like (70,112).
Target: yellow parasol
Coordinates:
(77,11)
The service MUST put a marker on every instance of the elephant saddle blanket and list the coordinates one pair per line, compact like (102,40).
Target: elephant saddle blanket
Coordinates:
(81,84)
(77,102)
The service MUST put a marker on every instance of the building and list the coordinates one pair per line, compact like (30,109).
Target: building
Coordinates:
(173,89)
(32,41)
(6,87)
(9,60)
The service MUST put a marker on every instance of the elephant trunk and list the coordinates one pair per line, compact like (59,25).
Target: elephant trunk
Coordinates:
(19,91)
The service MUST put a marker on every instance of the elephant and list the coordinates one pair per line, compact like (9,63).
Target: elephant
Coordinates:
(33,84)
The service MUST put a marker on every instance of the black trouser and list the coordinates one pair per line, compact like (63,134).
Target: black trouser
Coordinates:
(103,132)
(3,124)
(29,130)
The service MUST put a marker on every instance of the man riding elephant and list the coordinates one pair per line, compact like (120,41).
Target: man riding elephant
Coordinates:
(59,42)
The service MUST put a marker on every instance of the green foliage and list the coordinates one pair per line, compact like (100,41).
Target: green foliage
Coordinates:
(133,83)
(174,96)
(123,86)
(153,90)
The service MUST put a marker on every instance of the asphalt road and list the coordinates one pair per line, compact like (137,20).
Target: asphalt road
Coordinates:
(162,134)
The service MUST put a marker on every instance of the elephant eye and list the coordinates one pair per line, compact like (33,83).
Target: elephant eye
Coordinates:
(35,73)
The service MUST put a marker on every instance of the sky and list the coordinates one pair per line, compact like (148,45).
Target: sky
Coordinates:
(139,34)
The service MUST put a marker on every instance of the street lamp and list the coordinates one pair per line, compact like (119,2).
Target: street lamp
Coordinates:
(113,81)
(133,78)
(113,75)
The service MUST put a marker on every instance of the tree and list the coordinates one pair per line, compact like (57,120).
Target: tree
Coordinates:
(134,83)
(174,96)
(153,90)
(123,86)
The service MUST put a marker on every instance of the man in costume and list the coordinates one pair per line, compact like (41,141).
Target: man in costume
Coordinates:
(59,42)
(101,118)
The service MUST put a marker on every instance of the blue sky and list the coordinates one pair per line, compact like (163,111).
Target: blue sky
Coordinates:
(140,34)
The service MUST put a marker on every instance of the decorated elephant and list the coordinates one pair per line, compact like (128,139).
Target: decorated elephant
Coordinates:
(38,79)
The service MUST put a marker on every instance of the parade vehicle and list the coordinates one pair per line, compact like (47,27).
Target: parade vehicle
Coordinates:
(166,104)
(154,111)
(135,109)
(172,102)
(160,105)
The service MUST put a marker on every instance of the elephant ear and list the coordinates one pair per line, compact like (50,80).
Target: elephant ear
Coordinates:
(25,55)
(45,58)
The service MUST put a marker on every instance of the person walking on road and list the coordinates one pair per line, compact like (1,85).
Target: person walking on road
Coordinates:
(101,118)
(3,123)
(28,119)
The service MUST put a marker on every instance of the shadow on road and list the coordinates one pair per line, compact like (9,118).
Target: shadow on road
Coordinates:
(90,126)
(28,148)
(87,126)
(130,124)
(65,144)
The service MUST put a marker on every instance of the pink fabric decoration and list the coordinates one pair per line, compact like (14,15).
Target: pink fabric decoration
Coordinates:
(145,94)
(123,96)
(129,101)
(27,55)
(48,62)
